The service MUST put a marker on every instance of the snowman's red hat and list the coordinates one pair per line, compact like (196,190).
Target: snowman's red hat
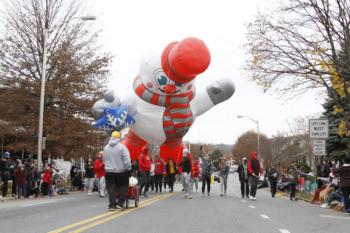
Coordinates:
(183,60)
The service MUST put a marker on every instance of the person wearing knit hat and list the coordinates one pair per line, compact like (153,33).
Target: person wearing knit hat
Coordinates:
(115,134)
(116,159)
(254,170)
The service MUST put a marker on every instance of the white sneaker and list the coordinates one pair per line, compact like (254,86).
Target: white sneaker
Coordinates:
(89,194)
(325,205)
(186,195)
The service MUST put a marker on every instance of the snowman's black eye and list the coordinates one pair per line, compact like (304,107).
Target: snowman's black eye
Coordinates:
(162,80)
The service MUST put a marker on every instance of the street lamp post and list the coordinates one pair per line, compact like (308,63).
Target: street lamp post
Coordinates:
(42,92)
(257,127)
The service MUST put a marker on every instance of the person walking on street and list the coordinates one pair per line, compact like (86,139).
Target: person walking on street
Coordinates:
(195,175)
(158,172)
(224,170)
(292,178)
(171,170)
(152,180)
(89,176)
(206,168)
(144,169)
(254,170)
(243,177)
(186,165)
(272,175)
(117,163)
(344,183)
(99,170)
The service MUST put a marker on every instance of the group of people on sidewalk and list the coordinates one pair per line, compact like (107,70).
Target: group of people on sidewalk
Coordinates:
(26,180)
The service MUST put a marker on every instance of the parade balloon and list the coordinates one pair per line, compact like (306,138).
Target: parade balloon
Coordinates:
(164,102)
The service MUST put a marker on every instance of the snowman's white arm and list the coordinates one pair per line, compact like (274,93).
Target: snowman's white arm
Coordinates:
(201,103)
(212,95)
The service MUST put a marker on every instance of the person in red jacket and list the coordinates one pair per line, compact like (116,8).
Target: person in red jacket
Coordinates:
(158,172)
(46,181)
(99,170)
(195,174)
(144,169)
(254,170)
(20,180)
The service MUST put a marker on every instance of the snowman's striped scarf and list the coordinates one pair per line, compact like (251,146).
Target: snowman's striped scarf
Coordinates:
(177,117)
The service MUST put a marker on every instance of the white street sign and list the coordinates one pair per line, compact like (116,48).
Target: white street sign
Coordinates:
(319,147)
(318,128)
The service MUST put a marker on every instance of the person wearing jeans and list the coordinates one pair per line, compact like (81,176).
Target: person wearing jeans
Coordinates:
(254,170)
(223,173)
(272,175)
(116,158)
(206,167)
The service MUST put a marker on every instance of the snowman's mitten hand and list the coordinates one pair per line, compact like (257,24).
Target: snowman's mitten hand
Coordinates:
(220,90)
(109,101)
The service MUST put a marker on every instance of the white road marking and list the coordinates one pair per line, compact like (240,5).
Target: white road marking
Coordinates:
(251,206)
(38,203)
(284,231)
(334,217)
(264,216)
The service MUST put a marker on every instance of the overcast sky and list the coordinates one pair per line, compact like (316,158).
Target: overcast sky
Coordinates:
(131,27)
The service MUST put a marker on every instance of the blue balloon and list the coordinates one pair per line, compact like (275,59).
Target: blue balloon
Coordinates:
(114,119)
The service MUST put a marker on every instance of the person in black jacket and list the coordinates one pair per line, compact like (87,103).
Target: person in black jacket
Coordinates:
(243,178)
(5,175)
(89,176)
(272,175)
(171,170)
(254,170)
(186,165)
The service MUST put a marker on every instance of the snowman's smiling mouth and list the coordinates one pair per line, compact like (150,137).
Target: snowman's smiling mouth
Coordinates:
(177,91)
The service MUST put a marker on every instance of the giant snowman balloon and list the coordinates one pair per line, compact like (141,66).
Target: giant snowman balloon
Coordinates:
(165,102)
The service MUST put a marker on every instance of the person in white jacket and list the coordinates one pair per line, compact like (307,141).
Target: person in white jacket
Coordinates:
(118,170)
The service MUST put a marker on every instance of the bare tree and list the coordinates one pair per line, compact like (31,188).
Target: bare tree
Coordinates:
(247,142)
(305,44)
(75,75)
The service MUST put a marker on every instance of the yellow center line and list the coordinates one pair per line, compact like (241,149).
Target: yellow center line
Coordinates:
(62,229)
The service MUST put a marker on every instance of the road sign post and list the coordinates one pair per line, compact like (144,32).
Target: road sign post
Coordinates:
(319,147)
(319,132)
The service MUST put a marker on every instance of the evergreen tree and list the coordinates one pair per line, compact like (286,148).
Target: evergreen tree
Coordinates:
(336,145)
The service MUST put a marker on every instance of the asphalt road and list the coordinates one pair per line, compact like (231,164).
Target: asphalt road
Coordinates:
(172,213)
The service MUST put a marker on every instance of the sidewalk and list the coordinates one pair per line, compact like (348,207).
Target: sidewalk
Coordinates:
(10,198)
